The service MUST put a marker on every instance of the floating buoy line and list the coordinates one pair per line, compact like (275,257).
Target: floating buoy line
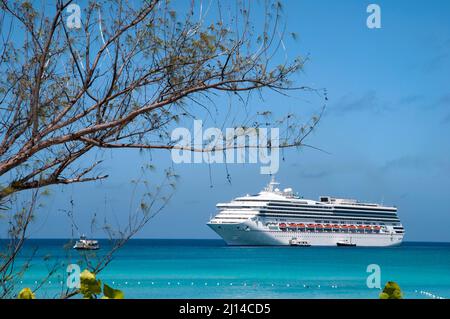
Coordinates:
(159,284)
(429,294)
(203,283)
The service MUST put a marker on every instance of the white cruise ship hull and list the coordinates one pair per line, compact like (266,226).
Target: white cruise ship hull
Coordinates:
(250,233)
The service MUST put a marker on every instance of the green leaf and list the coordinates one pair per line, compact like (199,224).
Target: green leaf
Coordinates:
(89,285)
(391,291)
(112,293)
(384,295)
(26,293)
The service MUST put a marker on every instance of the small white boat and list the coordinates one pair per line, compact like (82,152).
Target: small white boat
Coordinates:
(345,243)
(86,244)
(302,243)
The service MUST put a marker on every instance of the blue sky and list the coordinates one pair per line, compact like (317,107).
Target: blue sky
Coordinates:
(386,129)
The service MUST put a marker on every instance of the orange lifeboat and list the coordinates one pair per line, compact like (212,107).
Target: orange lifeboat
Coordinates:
(282,225)
(301,225)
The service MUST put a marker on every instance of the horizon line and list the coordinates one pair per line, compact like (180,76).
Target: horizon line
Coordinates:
(216,239)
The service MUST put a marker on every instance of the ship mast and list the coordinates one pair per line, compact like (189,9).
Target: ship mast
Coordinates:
(271,186)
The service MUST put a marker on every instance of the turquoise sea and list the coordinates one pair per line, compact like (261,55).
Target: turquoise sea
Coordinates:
(210,269)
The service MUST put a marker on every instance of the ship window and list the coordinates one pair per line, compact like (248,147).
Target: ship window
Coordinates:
(324,199)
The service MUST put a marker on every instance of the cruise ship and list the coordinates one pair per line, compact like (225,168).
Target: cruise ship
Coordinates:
(281,217)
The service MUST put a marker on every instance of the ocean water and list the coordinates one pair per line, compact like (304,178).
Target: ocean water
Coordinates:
(210,269)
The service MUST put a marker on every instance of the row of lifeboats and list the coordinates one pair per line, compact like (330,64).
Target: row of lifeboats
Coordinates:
(284,226)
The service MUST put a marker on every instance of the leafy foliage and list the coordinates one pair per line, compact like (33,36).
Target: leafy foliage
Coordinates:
(391,291)
(26,293)
(112,293)
(92,287)
(89,285)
